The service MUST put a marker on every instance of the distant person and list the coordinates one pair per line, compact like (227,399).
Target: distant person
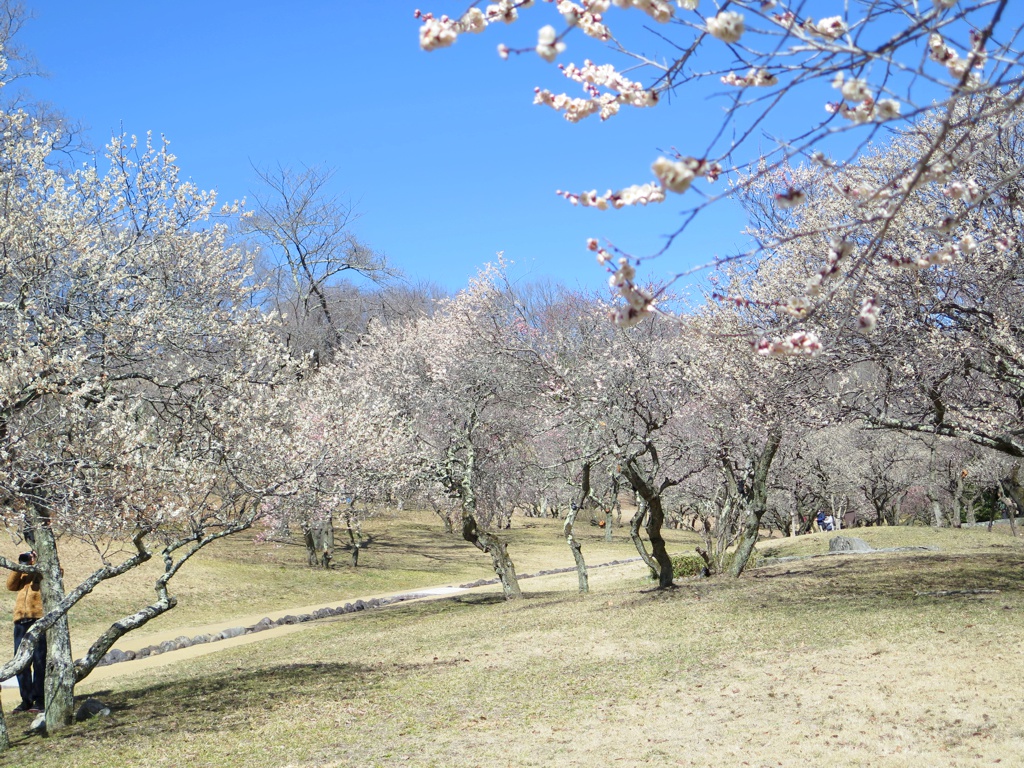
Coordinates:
(830,523)
(28,608)
(820,520)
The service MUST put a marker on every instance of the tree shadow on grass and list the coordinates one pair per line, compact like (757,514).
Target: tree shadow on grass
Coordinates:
(862,580)
(215,703)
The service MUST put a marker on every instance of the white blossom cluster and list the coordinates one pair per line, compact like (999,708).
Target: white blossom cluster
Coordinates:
(621,90)
(831,28)
(548,44)
(443,31)
(587,17)
(636,194)
(639,303)
(798,343)
(839,250)
(960,69)
(866,108)
(677,175)
(757,78)
(659,10)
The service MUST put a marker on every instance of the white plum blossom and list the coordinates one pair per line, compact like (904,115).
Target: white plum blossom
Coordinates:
(727,26)
(474,21)
(831,28)
(867,319)
(854,89)
(505,10)
(677,175)
(587,19)
(548,45)
(438,33)
(887,109)
(636,194)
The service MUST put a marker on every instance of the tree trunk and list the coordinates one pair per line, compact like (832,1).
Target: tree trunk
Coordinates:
(634,534)
(577,551)
(651,495)
(355,537)
(757,503)
(655,521)
(446,519)
(458,478)
(496,548)
(574,545)
(60,667)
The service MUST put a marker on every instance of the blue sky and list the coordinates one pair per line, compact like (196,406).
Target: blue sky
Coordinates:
(444,154)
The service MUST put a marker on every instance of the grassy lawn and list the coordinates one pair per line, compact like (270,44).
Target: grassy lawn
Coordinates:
(896,659)
(236,577)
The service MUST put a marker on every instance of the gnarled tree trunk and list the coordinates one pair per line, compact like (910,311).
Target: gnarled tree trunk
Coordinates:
(756,503)
(651,494)
(498,550)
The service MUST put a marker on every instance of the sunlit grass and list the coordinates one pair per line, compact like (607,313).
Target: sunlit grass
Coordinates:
(891,659)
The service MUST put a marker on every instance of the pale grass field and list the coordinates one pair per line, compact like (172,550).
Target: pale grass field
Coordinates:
(237,577)
(832,661)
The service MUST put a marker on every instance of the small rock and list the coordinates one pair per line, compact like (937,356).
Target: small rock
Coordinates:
(91,708)
(227,634)
(38,725)
(289,619)
(848,544)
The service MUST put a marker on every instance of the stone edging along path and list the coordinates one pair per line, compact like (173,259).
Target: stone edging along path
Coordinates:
(116,656)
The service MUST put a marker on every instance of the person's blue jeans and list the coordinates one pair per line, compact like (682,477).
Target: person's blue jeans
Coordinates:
(30,679)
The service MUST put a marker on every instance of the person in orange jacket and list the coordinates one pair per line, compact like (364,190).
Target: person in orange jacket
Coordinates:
(28,608)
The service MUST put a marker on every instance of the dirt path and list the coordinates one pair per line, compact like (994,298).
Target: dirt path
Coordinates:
(135,641)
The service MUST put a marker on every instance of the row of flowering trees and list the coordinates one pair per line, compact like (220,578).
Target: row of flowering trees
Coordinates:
(501,398)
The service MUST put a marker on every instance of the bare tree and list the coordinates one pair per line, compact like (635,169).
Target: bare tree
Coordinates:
(306,231)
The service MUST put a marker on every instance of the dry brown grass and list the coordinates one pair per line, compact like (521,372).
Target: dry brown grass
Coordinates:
(900,659)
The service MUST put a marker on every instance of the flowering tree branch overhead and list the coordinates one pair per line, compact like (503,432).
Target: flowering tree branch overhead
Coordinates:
(797,91)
